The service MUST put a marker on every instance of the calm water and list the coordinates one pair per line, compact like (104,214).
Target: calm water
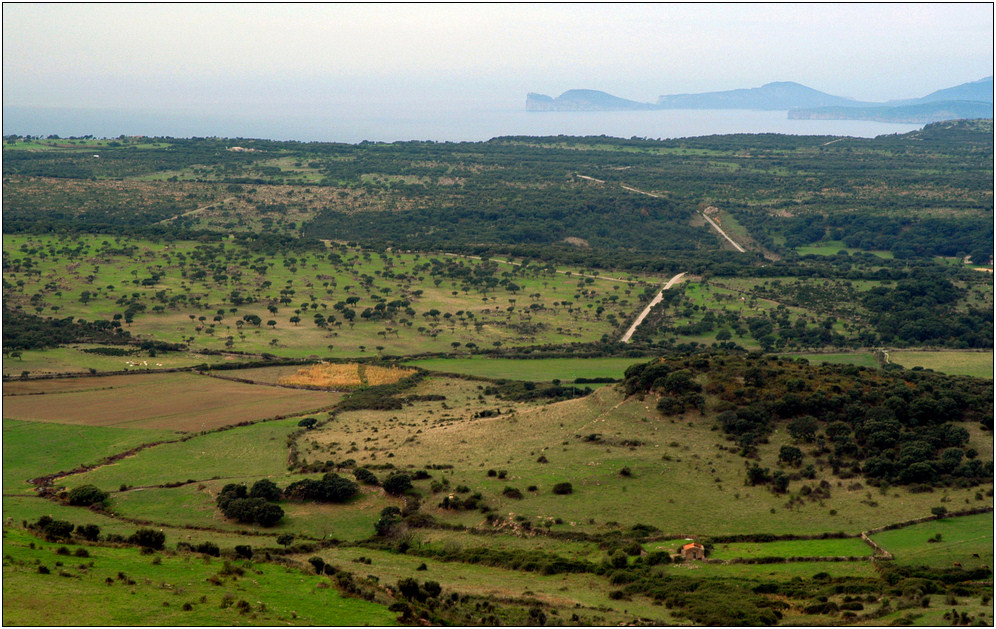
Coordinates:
(357,123)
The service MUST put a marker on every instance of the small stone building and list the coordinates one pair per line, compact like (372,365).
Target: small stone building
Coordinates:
(693,550)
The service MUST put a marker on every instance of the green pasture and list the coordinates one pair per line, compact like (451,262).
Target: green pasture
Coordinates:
(247,451)
(668,459)
(28,509)
(585,594)
(961,539)
(775,571)
(832,247)
(32,449)
(153,589)
(978,364)
(194,505)
(537,370)
(846,547)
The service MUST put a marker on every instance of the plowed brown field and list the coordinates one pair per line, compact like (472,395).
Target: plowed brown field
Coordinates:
(175,401)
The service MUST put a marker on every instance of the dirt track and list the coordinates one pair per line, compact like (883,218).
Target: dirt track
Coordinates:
(656,300)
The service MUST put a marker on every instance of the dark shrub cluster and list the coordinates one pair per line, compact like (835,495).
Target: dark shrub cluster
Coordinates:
(331,488)
(236,502)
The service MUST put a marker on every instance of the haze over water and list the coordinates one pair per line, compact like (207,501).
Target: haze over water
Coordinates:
(357,122)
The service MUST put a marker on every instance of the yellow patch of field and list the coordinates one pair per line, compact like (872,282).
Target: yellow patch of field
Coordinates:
(345,376)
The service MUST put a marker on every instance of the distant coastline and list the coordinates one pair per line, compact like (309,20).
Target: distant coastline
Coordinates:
(968,100)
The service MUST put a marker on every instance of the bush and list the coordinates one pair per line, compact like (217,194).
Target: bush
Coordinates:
(365,476)
(307,423)
(397,483)
(243,552)
(89,532)
(562,489)
(148,538)
(54,529)
(208,548)
(266,489)
(332,488)
(512,492)
(86,495)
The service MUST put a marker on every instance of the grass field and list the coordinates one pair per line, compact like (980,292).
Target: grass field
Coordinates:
(174,401)
(978,364)
(120,586)
(18,509)
(256,450)
(667,458)
(832,247)
(961,539)
(537,370)
(585,594)
(847,547)
(73,359)
(33,449)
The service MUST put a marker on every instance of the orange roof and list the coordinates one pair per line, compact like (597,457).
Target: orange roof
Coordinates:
(692,545)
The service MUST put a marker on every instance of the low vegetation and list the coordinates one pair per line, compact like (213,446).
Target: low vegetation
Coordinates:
(318,384)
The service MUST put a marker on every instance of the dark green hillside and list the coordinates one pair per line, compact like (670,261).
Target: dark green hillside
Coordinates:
(893,426)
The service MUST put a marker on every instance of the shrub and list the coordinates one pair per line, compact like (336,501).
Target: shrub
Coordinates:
(365,476)
(54,529)
(89,532)
(208,548)
(397,483)
(266,489)
(562,489)
(307,423)
(332,488)
(243,551)
(148,538)
(86,495)
(512,492)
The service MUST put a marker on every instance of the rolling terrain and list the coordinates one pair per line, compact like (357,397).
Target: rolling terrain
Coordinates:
(256,382)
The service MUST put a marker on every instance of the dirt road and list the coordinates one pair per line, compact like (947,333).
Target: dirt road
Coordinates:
(195,211)
(656,300)
(711,222)
(723,234)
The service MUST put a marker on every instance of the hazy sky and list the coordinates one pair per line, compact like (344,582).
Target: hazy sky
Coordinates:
(202,57)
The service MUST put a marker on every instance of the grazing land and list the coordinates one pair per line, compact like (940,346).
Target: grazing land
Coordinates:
(978,364)
(269,383)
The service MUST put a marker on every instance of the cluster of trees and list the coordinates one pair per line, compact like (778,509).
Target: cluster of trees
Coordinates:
(248,505)
(906,237)
(330,488)
(901,427)
(22,330)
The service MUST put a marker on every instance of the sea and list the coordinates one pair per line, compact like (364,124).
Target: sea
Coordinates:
(385,123)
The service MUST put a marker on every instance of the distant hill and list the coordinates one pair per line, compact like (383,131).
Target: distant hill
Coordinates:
(979,91)
(917,113)
(582,100)
(772,96)
(968,100)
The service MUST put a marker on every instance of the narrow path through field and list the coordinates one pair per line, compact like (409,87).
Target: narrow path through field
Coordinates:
(657,196)
(571,273)
(656,300)
(723,234)
(195,210)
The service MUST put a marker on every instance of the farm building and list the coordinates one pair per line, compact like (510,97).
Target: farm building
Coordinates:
(693,551)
